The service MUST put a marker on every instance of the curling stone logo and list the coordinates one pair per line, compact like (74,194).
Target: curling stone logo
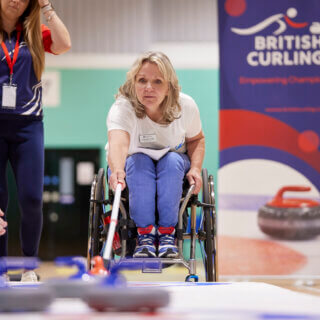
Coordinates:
(280,49)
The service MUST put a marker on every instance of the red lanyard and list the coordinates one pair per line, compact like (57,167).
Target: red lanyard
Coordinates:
(10,61)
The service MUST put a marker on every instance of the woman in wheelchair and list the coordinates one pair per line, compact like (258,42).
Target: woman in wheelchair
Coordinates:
(155,139)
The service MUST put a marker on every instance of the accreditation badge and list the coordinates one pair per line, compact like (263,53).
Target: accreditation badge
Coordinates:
(9,96)
(147,138)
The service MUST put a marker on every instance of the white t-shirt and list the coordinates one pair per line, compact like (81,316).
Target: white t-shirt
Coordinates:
(152,138)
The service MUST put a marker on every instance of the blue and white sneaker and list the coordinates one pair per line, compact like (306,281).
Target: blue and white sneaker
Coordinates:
(167,247)
(146,239)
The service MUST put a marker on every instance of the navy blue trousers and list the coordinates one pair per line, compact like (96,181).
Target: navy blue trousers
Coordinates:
(21,144)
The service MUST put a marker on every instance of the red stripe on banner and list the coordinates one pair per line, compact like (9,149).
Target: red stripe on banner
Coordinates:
(296,25)
(247,128)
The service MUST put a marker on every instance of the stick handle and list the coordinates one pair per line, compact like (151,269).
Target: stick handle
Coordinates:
(113,223)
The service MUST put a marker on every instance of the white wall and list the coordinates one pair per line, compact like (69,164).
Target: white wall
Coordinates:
(111,33)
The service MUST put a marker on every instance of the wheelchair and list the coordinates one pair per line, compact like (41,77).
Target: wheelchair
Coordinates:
(124,240)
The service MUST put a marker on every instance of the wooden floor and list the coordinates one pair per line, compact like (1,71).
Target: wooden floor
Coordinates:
(306,284)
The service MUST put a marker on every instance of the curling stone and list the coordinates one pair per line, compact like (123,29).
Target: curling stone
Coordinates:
(112,294)
(126,299)
(26,299)
(30,298)
(290,218)
(76,285)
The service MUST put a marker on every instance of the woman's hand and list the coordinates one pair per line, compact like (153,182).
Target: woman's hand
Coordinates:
(60,36)
(3,224)
(195,149)
(43,3)
(117,177)
(194,177)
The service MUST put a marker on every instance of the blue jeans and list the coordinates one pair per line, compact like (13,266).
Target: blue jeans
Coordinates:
(155,182)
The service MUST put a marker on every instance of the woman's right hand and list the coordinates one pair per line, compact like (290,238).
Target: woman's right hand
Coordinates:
(117,177)
(3,224)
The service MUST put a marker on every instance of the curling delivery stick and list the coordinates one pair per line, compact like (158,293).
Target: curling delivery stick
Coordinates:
(113,223)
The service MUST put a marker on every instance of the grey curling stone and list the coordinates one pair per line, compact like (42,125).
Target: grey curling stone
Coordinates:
(66,288)
(126,299)
(25,299)
(290,218)
(290,223)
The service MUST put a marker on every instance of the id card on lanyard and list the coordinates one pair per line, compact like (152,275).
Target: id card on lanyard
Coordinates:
(9,90)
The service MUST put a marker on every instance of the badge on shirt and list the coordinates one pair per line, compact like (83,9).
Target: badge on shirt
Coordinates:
(145,138)
(9,96)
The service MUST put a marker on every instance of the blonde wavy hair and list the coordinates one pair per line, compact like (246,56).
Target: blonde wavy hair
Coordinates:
(31,25)
(170,107)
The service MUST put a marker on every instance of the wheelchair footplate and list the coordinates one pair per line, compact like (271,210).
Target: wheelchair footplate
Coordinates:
(147,265)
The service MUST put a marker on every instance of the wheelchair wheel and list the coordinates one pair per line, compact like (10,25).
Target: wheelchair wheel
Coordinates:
(208,228)
(96,217)
(214,227)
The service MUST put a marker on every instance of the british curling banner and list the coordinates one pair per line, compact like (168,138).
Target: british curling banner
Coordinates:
(269,175)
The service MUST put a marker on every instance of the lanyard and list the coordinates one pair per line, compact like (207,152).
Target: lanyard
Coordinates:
(10,61)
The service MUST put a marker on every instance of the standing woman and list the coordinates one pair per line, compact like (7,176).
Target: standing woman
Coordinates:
(23,44)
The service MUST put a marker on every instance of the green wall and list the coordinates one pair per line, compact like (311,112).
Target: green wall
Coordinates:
(86,96)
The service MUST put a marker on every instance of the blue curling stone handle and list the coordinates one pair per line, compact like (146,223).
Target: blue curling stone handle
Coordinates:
(14,263)
(77,261)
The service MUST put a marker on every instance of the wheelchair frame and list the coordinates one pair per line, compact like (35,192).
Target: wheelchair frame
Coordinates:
(99,220)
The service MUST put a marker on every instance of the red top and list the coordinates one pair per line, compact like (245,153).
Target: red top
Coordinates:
(46,37)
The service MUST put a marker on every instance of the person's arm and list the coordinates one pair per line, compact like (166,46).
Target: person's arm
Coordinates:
(61,41)
(119,141)
(3,224)
(195,150)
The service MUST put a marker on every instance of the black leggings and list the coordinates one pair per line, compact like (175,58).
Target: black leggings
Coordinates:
(21,143)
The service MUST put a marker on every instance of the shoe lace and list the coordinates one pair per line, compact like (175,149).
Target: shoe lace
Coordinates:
(146,240)
(166,239)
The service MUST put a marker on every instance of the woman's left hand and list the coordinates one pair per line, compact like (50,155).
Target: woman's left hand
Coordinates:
(43,3)
(194,177)
(60,36)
